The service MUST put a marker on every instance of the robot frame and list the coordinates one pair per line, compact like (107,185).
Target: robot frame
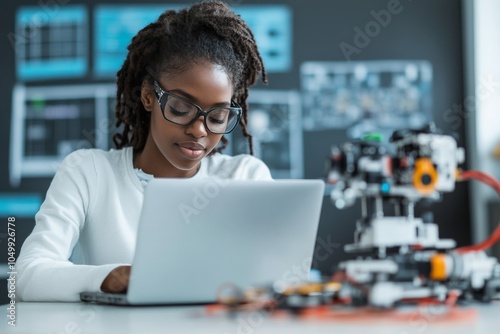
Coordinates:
(402,257)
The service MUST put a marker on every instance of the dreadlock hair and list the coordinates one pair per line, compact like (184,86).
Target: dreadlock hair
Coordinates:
(206,31)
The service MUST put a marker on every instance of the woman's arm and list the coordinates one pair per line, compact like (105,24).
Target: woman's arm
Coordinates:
(45,272)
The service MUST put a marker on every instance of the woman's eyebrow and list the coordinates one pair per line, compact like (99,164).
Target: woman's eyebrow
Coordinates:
(183,94)
(195,100)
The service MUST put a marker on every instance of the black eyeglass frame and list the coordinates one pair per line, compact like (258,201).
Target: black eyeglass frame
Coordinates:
(162,96)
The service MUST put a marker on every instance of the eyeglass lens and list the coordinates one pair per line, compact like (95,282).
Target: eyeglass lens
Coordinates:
(218,120)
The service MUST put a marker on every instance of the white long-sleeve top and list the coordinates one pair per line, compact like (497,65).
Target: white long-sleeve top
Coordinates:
(87,224)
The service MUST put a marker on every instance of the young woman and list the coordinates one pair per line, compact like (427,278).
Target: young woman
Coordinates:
(183,85)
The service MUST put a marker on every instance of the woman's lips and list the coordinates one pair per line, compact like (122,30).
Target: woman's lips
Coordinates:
(191,150)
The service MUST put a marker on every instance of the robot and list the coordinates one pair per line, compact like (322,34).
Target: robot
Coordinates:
(400,256)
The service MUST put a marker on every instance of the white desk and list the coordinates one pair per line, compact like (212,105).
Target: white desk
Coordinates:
(70,318)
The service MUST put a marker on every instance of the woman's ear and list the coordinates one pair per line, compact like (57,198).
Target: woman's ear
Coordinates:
(148,97)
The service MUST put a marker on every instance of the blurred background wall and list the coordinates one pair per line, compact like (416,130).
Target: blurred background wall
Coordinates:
(337,70)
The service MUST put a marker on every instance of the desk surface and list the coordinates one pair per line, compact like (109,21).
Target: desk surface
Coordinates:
(69,318)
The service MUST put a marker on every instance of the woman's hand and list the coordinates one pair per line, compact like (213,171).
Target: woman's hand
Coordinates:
(117,280)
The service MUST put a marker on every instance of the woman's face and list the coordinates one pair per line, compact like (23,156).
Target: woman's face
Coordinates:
(173,150)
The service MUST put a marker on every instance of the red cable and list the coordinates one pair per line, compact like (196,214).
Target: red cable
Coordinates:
(492,182)
(483,177)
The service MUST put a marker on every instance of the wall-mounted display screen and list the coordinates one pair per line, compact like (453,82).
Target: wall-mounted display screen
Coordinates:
(115,25)
(49,122)
(19,204)
(275,125)
(272,28)
(366,96)
(49,45)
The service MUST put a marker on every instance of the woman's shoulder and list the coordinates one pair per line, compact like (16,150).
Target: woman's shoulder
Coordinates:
(219,159)
(241,166)
(85,158)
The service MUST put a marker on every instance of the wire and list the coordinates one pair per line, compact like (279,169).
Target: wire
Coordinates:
(492,182)
(480,176)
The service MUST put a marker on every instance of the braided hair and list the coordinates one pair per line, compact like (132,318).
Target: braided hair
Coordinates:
(206,31)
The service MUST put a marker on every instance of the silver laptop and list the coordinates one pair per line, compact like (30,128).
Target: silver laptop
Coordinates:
(198,236)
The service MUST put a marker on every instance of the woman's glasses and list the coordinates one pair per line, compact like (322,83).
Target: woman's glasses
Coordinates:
(180,111)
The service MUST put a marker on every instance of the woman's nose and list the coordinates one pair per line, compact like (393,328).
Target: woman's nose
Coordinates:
(198,129)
